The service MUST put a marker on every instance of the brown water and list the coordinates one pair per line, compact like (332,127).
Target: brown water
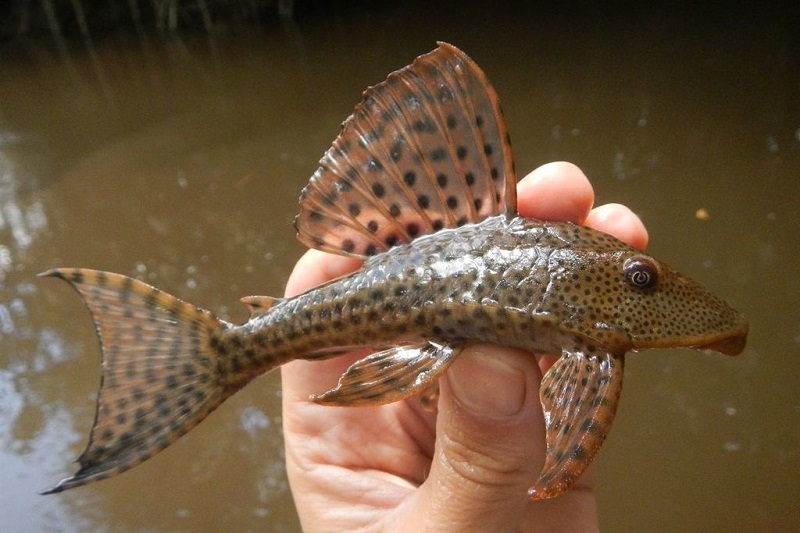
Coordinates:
(180,161)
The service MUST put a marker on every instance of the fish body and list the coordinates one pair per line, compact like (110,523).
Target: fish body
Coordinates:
(421,184)
(519,282)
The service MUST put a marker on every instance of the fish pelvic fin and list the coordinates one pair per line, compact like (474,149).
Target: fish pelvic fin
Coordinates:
(159,371)
(579,394)
(390,375)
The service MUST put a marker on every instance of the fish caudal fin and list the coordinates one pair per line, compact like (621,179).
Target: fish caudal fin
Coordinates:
(579,395)
(158,371)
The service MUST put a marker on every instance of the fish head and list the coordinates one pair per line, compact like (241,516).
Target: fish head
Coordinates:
(623,299)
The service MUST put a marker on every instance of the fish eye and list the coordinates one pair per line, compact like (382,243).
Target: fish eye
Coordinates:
(640,271)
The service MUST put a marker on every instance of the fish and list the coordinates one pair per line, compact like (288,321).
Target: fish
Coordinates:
(419,184)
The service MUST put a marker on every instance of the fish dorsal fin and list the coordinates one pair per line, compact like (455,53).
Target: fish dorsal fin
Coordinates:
(257,305)
(426,149)
(390,375)
(579,395)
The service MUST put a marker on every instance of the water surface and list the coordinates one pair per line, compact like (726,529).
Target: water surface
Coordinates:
(180,160)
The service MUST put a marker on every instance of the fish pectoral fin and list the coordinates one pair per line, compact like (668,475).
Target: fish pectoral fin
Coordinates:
(579,394)
(390,375)
(257,305)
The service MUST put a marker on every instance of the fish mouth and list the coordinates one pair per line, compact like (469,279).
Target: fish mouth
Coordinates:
(727,345)
(730,343)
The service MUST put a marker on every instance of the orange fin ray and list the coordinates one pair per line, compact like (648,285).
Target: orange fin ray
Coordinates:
(579,394)
(258,305)
(390,375)
(158,371)
(426,149)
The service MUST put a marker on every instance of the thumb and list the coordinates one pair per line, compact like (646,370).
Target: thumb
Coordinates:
(490,441)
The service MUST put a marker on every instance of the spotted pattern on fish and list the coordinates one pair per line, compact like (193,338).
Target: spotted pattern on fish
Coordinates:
(421,180)
(411,160)
(152,392)
(580,392)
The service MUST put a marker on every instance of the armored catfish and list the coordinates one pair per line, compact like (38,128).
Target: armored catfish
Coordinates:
(420,182)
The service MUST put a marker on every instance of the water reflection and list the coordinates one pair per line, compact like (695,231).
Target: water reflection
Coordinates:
(175,164)
(33,428)
(21,222)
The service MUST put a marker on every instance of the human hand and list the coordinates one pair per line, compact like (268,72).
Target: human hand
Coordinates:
(398,467)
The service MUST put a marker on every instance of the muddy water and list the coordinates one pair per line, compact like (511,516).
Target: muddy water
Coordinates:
(179,161)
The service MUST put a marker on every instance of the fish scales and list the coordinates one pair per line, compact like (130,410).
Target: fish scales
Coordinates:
(422,290)
(420,183)
(455,285)
(473,283)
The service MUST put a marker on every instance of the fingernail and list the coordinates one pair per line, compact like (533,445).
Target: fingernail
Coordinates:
(486,384)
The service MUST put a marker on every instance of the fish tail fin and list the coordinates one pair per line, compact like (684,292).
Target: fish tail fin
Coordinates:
(159,371)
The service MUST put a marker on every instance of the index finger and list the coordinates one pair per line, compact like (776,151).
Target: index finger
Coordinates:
(315,268)
(560,191)
(557,191)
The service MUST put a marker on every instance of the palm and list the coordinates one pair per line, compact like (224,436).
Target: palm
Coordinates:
(367,458)
(355,467)
(396,438)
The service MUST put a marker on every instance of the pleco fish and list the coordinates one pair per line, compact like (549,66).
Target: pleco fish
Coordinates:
(421,183)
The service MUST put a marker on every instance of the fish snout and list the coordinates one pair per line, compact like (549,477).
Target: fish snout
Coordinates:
(733,342)
(730,345)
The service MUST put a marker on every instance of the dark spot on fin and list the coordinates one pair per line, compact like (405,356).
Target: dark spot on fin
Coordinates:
(429,398)
(412,155)
(390,375)
(579,395)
